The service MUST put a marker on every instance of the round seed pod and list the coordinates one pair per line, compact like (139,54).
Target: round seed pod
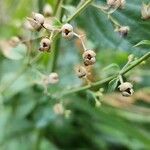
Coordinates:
(38,17)
(47,10)
(53,78)
(89,57)
(81,72)
(116,3)
(36,21)
(123,31)
(45,45)
(126,89)
(67,31)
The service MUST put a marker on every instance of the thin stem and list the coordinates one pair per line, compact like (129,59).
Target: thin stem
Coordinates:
(112,19)
(121,79)
(79,10)
(99,83)
(40,5)
(82,42)
(59,9)
(57,40)
(146,56)
(55,54)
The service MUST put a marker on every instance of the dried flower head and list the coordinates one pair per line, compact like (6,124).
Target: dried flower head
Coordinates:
(145,11)
(116,3)
(123,31)
(47,10)
(45,45)
(81,72)
(67,31)
(89,57)
(126,89)
(36,21)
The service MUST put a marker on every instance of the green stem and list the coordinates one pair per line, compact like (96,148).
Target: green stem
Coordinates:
(99,83)
(79,10)
(56,40)
(40,5)
(55,54)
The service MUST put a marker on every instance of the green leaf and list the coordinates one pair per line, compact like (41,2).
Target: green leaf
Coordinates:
(144,42)
(113,84)
(101,31)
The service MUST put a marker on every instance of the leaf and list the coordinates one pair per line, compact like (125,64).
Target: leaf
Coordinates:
(101,31)
(144,42)
(113,84)
(14,53)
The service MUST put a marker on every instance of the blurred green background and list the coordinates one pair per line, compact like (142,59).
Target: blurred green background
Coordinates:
(28,119)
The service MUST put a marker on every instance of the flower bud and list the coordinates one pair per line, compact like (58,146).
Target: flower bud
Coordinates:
(36,21)
(126,89)
(116,3)
(123,31)
(89,57)
(45,45)
(145,11)
(81,71)
(67,31)
(47,10)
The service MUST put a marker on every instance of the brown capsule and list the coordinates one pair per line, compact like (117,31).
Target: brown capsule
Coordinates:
(116,3)
(45,45)
(123,31)
(81,72)
(126,89)
(36,21)
(67,31)
(89,57)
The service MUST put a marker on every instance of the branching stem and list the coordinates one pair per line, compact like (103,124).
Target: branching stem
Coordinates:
(106,80)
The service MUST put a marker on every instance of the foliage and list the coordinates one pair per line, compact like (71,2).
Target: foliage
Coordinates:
(66,118)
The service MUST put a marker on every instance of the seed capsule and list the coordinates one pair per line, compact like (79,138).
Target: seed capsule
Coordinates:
(53,78)
(89,57)
(81,72)
(67,31)
(45,45)
(116,3)
(126,89)
(123,31)
(145,11)
(47,10)
(36,21)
